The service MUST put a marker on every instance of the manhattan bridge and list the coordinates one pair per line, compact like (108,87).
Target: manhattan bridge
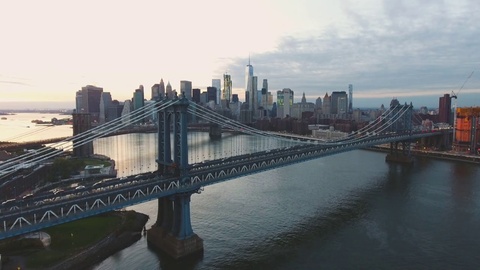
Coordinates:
(180,171)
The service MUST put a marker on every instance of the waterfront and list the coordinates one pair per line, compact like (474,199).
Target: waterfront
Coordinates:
(19,127)
(347,211)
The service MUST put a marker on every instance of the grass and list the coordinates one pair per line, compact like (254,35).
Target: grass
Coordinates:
(70,238)
(95,162)
(20,246)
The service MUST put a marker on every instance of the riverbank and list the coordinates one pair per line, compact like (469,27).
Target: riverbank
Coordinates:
(443,155)
(66,253)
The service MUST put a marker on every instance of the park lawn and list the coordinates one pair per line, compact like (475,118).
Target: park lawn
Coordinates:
(70,238)
(96,162)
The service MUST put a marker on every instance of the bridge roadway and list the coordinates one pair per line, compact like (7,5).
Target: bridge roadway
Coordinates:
(47,210)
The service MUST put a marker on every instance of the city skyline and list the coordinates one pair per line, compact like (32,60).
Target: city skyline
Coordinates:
(410,50)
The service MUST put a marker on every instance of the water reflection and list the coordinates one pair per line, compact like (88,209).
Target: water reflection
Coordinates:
(167,262)
(350,210)
(398,178)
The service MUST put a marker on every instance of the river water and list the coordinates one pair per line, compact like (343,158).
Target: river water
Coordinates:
(19,127)
(348,211)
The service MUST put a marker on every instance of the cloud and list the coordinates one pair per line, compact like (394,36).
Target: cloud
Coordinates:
(13,82)
(406,48)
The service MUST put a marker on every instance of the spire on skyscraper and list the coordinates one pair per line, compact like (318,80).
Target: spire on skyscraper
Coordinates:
(161,88)
(169,91)
(249,86)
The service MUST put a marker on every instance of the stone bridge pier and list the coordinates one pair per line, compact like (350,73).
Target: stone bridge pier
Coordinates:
(172,232)
(399,155)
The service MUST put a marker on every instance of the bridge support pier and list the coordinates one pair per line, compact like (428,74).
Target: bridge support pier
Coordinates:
(172,233)
(215,131)
(399,156)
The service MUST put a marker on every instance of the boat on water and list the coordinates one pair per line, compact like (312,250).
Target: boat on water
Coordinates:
(40,122)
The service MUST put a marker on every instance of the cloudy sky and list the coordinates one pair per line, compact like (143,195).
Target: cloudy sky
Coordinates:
(412,50)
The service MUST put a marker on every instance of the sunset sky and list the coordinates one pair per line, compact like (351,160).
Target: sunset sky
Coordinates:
(413,50)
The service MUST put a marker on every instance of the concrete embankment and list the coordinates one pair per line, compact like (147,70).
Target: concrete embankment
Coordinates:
(445,155)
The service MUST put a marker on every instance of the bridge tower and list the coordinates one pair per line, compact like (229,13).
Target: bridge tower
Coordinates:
(172,232)
(215,131)
(81,123)
(401,123)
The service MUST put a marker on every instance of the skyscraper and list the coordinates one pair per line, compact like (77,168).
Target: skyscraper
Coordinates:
(196,95)
(138,98)
(342,105)
(217,83)
(90,101)
(79,101)
(127,108)
(227,87)
(334,102)
(326,107)
(114,111)
(155,91)
(186,89)
(255,93)
(168,91)
(444,108)
(211,93)
(235,98)
(264,97)
(161,89)
(284,102)
(105,103)
(350,98)
(318,103)
(248,85)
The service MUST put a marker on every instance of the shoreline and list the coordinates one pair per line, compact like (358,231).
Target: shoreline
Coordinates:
(90,256)
(106,247)
(433,154)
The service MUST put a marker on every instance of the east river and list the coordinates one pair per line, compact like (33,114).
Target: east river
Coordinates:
(347,211)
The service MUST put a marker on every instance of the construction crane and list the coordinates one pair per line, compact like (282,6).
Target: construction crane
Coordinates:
(455,96)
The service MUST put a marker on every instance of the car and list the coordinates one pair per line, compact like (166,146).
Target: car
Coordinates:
(80,187)
(27,196)
(97,183)
(8,202)
(57,191)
